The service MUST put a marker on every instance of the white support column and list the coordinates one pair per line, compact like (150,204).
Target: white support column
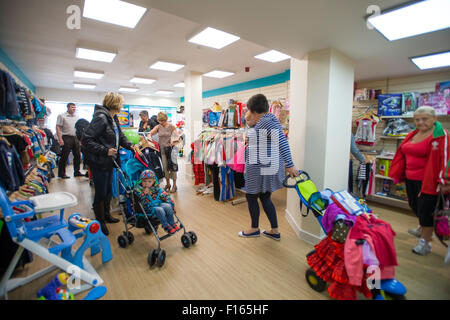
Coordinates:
(193,103)
(321,94)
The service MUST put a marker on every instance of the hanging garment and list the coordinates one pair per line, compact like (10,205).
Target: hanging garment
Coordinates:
(12,175)
(365,132)
(227,186)
(9,107)
(216,181)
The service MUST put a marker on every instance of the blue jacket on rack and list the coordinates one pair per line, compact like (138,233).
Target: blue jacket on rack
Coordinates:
(9,107)
(12,175)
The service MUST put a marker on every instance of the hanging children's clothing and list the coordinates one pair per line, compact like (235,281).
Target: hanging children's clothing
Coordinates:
(227,186)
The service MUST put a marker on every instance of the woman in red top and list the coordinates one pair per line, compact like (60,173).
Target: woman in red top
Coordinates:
(421,162)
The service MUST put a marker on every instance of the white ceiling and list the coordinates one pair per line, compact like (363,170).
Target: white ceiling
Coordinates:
(34,34)
(297,27)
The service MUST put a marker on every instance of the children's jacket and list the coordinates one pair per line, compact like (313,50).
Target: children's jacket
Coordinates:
(437,167)
(153,198)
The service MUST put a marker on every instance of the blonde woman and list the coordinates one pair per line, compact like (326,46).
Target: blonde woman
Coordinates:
(165,131)
(421,162)
(100,146)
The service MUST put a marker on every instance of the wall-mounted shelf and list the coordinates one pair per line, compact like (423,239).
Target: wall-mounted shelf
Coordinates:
(390,201)
(379,176)
(395,117)
(392,138)
(385,157)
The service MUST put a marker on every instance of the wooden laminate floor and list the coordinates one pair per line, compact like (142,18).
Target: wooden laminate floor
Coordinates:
(224,266)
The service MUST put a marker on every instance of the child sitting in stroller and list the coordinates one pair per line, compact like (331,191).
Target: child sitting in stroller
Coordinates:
(155,201)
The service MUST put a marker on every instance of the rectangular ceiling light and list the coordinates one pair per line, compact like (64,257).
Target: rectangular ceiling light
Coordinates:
(84,85)
(272,56)
(218,74)
(128,89)
(142,80)
(179,85)
(418,18)
(166,66)
(163,92)
(88,54)
(214,38)
(114,11)
(87,74)
(432,61)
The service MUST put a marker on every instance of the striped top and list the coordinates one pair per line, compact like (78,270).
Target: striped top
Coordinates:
(267,156)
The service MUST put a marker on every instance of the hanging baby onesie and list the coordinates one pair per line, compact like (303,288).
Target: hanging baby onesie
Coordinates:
(365,133)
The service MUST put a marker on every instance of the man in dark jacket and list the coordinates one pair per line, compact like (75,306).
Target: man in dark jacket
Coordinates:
(100,145)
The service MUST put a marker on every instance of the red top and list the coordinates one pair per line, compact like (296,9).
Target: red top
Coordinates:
(416,155)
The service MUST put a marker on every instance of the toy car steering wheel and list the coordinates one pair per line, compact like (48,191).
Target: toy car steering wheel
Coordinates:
(304,176)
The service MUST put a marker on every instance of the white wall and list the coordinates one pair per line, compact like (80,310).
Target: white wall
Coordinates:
(274,92)
(83,96)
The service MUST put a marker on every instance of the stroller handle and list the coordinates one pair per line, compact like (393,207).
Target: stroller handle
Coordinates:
(297,179)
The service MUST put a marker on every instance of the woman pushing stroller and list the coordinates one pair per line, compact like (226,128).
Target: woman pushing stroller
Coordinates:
(155,201)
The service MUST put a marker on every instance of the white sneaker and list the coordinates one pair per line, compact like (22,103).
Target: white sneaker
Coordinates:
(423,248)
(208,191)
(416,232)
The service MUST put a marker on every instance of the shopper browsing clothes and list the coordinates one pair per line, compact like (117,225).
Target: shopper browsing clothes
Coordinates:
(65,131)
(156,201)
(263,179)
(146,124)
(421,162)
(101,142)
(165,132)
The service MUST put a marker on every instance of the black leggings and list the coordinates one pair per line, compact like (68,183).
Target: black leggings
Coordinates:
(423,205)
(102,184)
(268,206)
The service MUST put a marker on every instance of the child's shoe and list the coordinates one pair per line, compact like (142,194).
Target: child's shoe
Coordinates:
(169,229)
(176,227)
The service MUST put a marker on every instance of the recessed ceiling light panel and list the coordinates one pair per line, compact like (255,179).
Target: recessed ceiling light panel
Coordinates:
(218,74)
(89,54)
(128,89)
(214,38)
(164,92)
(166,66)
(142,80)
(88,74)
(114,11)
(179,85)
(418,18)
(272,56)
(84,85)
(432,61)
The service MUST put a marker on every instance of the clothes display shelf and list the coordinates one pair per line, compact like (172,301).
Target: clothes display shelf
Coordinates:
(379,176)
(390,201)
(385,157)
(392,138)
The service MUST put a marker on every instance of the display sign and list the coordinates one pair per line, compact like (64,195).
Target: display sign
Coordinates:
(124,119)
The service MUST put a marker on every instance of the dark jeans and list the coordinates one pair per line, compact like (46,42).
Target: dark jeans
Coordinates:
(268,207)
(102,184)
(71,143)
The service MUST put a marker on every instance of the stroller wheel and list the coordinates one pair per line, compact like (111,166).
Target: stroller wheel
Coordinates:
(152,257)
(130,237)
(123,241)
(193,237)
(186,240)
(161,258)
(314,281)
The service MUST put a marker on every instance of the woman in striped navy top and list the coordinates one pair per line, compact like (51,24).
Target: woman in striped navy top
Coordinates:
(267,158)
